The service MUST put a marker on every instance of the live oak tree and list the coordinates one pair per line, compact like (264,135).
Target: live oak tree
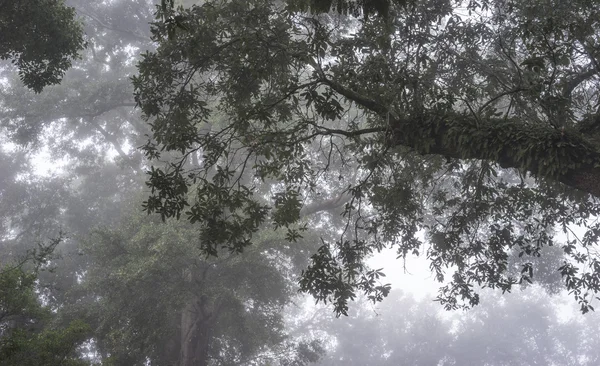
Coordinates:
(41,37)
(474,122)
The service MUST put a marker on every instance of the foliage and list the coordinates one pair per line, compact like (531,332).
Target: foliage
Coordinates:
(41,37)
(17,283)
(52,347)
(219,309)
(84,122)
(462,121)
(27,336)
(345,7)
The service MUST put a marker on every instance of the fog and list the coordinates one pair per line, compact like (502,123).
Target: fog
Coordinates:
(102,262)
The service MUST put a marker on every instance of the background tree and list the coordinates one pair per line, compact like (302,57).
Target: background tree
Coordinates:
(27,333)
(41,37)
(522,328)
(152,297)
(80,124)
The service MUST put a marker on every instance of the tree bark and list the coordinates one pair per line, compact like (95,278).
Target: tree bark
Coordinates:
(195,334)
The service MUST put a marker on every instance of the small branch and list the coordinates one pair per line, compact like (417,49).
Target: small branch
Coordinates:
(95,56)
(356,133)
(107,108)
(114,142)
(509,92)
(325,205)
(353,96)
(104,25)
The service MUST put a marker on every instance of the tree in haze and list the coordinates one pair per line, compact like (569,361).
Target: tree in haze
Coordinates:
(153,297)
(41,37)
(27,335)
(172,306)
(77,125)
(79,122)
(521,328)
(479,128)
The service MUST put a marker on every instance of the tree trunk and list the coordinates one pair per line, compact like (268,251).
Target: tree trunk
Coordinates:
(195,334)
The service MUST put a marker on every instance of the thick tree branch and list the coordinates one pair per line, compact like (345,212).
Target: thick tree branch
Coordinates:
(562,155)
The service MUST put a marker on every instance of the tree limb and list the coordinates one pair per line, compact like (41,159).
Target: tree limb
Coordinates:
(578,79)
(545,152)
(564,156)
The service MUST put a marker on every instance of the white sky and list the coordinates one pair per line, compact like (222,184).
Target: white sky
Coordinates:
(417,279)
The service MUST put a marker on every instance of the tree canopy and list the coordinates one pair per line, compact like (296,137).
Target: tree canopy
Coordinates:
(463,130)
(518,329)
(41,37)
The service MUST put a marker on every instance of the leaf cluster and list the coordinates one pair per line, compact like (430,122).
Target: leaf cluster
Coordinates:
(42,38)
